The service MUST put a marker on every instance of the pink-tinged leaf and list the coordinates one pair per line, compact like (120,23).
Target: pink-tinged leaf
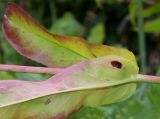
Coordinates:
(33,41)
(91,83)
(87,84)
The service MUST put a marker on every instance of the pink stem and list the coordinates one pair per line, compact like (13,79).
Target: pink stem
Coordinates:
(29,69)
(149,78)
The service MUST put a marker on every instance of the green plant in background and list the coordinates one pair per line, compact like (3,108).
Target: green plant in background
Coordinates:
(105,74)
(151,26)
(67,25)
(97,34)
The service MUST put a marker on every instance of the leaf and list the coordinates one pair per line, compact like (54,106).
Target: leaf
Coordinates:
(9,53)
(35,42)
(67,25)
(146,107)
(136,110)
(31,77)
(97,34)
(104,50)
(6,75)
(152,26)
(151,10)
(158,71)
(133,8)
(89,113)
(87,84)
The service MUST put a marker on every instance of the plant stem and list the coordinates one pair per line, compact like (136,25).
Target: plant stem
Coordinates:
(142,44)
(148,78)
(53,10)
(29,69)
(141,38)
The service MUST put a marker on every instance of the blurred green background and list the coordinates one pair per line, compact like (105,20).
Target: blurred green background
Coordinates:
(132,24)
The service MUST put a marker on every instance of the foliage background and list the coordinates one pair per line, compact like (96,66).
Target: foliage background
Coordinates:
(111,22)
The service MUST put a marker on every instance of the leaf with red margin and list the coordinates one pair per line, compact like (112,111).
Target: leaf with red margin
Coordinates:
(33,41)
(87,84)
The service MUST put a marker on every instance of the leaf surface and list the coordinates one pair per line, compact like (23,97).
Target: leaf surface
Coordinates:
(152,26)
(97,34)
(33,41)
(67,25)
(87,84)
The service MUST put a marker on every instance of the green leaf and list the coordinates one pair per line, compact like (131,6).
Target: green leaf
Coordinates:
(133,7)
(147,107)
(31,77)
(158,71)
(67,25)
(152,26)
(6,75)
(35,42)
(135,110)
(133,11)
(11,56)
(89,113)
(97,34)
(151,10)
